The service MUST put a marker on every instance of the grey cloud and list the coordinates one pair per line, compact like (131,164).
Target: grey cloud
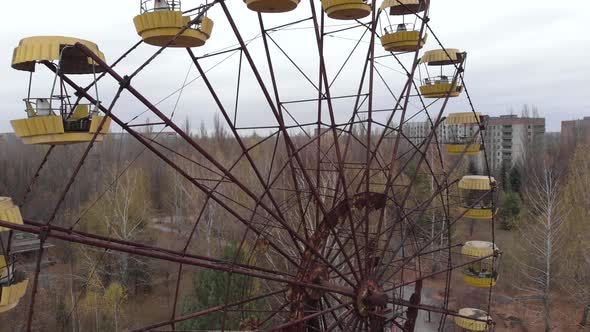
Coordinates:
(520,52)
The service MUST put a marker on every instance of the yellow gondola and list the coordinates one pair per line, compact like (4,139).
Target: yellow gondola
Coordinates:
(461,128)
(272,6)
(480,320)
(53,119)
(346,9)
(13,291)
(161,20)
(441,85)
(403,37)
(13,283)
(4,269)
(477,193)
(482,273)
(9,212)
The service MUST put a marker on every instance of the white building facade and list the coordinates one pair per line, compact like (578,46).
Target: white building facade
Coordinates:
(507,137)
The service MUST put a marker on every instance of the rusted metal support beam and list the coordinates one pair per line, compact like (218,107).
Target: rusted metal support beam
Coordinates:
(60,201)
(264,183)
(110,244)
(152,248)
(125,82)
(207,311)
(167,160)
(275,111)
(36,176)
(287,326)
(438,310)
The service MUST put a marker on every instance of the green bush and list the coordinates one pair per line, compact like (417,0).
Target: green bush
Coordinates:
(61,313)
(515,180)
(210,290)
(509,212)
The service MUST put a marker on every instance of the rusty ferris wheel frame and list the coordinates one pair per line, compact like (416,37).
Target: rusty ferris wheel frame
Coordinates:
(340,279)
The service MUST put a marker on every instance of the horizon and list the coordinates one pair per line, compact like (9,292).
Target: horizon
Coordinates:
(505,70)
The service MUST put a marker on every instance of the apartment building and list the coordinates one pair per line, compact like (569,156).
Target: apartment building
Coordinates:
(416,131)
(507,137)
(575,132)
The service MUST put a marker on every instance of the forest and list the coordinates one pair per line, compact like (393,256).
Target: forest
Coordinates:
(125,192)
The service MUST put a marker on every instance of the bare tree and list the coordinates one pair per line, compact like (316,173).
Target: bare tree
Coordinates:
(525,112)
(123,214)
(576,272)
(186,126)
(536,112)
(202,130)
(542,242)
(219,130)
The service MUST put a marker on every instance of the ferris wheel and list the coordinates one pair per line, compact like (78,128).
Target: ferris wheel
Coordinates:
(344,211)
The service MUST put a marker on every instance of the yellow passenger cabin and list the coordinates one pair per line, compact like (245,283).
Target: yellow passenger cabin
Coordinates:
(13,283)
(463,133)
(405,7)
(34,50)
(471,319)
(6,270)
(346,9)
(439,83)
(160,21)
(402,36)
(12,289)
(477,194)
(9,212)
(58,118)
(272,6)
(482,271)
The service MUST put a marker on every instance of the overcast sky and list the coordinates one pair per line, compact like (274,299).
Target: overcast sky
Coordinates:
(520,52)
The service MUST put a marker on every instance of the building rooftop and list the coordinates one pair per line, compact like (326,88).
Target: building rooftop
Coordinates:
(515,120)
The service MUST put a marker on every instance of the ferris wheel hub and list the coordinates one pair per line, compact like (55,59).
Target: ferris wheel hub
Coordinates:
(370,297)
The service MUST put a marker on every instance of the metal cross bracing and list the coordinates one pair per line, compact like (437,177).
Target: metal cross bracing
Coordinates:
(337,208)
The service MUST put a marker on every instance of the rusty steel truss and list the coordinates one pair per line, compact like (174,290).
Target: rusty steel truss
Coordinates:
(350,243)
